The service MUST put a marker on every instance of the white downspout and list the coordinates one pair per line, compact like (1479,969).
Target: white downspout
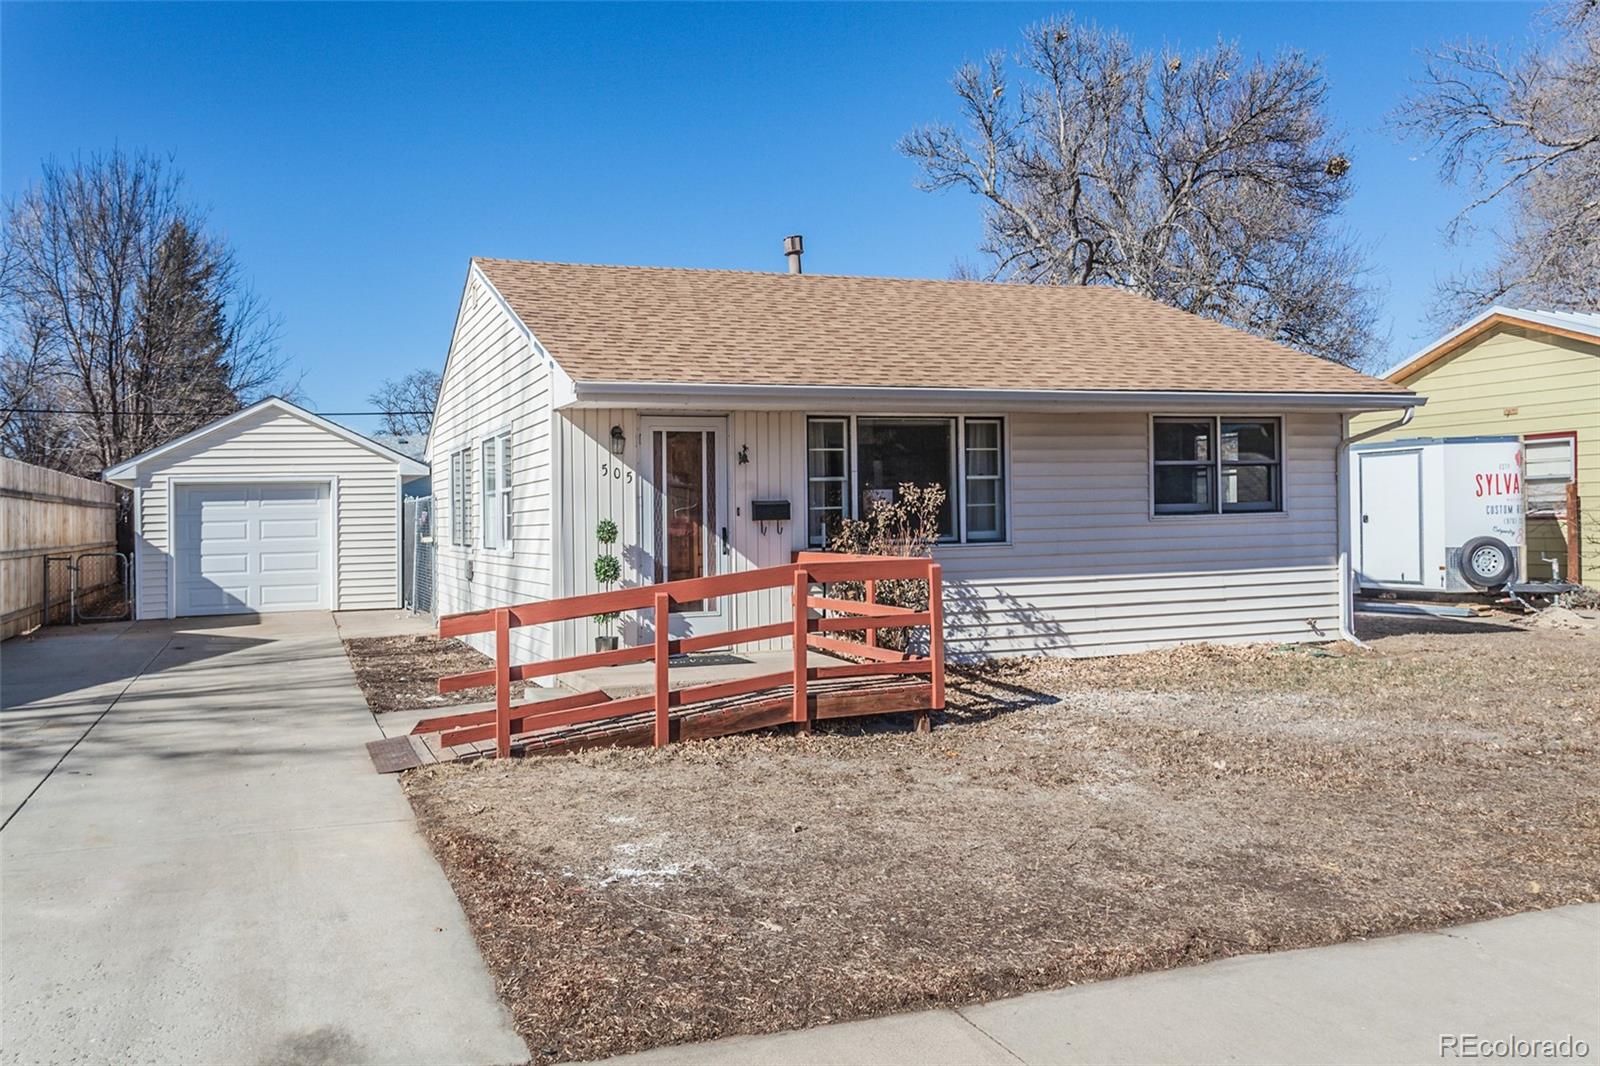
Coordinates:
(1347,599)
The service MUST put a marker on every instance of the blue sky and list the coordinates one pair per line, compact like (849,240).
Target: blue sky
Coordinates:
(357,155)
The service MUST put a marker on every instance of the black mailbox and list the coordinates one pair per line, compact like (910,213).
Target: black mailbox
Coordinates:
(769,510)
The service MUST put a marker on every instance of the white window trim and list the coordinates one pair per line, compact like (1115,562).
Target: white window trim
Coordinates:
(1002,474)
(958,504)
(1217,516)
(499,544)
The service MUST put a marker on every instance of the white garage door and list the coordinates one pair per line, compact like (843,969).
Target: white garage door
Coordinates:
(248,548)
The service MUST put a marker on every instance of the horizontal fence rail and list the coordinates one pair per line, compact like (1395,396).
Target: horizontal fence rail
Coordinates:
(807,630)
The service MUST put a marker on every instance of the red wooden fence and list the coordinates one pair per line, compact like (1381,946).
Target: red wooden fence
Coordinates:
(805,632)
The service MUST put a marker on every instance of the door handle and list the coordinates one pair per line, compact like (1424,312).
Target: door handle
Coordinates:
(724,540)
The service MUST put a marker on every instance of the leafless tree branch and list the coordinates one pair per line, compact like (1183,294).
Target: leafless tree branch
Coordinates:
(115,301)
(1525,132)
(1205,181)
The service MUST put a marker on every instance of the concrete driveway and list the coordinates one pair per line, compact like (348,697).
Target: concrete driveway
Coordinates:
(198,863)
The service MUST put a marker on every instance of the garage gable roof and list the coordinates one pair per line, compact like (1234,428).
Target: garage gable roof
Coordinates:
(128,469)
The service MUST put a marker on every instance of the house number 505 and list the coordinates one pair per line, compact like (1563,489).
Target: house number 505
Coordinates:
(609,470)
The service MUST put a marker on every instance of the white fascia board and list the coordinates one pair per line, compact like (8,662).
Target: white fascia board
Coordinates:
(677,395)
(127,471)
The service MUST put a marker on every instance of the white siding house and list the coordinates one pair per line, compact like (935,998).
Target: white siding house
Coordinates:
(1122,476)
(270,509)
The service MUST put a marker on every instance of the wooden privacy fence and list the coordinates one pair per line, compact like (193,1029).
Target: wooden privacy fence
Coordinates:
(887,682)
(44,514)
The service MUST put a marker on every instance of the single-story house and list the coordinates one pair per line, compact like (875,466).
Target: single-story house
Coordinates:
(1535,375)
(273,508)
(1120,475)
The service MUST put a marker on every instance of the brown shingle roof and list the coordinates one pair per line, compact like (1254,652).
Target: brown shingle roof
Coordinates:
(652,324)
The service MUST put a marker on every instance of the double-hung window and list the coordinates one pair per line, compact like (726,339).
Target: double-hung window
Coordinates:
(827,475)
(1212,465)
(985,480)
(852,464)
(460,493)
(495,491)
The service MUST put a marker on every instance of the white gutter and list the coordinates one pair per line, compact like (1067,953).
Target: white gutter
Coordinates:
(1341,473)
(692,395)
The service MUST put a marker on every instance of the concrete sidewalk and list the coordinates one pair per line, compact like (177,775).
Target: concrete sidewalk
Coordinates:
(203,866)
(1531,976)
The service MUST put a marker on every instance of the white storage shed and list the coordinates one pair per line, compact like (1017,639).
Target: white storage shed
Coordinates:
(273,508)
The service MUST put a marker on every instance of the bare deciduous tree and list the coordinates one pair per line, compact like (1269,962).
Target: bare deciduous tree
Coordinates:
(1202,181)
(403,402)
(126,324)
(1525,132)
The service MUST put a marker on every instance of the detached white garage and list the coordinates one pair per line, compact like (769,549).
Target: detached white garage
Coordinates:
(270,509)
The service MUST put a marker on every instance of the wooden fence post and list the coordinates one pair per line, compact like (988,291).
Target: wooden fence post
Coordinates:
(935,642)
(502,683)
(801,714)
(872,597)
(1574,535)
(663,734)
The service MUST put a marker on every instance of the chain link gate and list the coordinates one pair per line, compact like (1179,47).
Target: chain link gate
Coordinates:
(87,587)
(417,559)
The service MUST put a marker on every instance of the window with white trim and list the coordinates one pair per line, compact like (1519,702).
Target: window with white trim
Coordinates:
(851,462)
(495,491)
(1549,463)
(827,476)
(1216,465)
(460,528)
(984,473)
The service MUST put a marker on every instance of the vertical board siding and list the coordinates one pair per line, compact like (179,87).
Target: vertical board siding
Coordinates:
(1088,572)
(278,444)
(45,512)
(1519,382)
(494,382)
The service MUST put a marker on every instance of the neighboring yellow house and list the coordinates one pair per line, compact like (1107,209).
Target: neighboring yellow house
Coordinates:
(1535,374)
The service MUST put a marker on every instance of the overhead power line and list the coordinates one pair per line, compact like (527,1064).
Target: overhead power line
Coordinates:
(189,414)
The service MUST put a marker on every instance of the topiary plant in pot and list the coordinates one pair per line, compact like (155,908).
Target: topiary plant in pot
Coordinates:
(607,571)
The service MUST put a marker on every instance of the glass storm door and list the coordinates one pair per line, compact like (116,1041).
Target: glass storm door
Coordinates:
(685,512)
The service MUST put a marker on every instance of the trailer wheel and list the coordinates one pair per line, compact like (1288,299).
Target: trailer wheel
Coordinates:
(1486,562)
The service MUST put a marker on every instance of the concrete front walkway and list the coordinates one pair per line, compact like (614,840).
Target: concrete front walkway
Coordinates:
(201,865)
(1531,976)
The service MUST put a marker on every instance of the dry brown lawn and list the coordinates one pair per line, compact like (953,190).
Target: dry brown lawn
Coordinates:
(1065,821)
(402,673)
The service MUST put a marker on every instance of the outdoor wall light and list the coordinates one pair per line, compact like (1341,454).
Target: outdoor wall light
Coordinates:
(616,440)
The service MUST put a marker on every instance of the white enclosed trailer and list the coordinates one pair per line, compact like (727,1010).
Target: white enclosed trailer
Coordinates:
(1437,514)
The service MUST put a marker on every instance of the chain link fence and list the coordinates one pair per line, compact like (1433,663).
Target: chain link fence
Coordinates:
(417,555)
(87,587)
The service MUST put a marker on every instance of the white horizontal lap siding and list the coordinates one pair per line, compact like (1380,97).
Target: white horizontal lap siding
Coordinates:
(281,446)
(494,382)
(1091,572)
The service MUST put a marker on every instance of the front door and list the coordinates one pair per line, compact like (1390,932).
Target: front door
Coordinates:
(684,512)
(1391,518)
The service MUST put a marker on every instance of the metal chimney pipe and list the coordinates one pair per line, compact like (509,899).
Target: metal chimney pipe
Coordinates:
(793,247)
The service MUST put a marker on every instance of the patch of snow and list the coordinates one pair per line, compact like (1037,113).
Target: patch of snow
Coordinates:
(654,877)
